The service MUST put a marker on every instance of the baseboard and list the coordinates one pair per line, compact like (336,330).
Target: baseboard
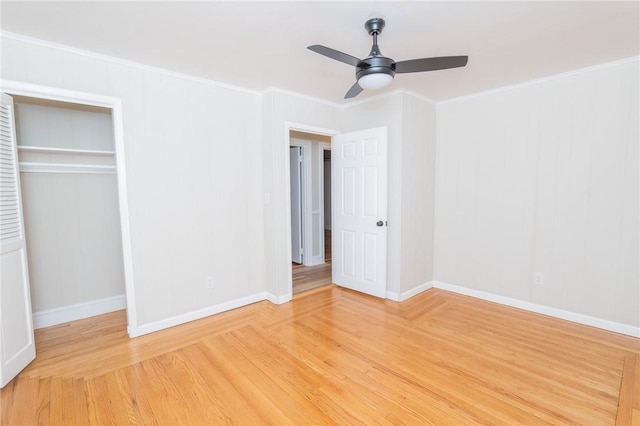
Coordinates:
(78,311)
(616,327)
(399,297)
(195,315)
(278,300)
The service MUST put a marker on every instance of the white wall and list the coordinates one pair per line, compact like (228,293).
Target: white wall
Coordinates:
(193,158)
(71,219)
(544,178)
(418,192)
(411,159)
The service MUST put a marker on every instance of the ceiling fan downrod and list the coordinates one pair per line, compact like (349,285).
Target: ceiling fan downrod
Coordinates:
(374,27)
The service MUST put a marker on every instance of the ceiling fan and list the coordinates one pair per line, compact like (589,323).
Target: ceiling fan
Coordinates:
(376,71)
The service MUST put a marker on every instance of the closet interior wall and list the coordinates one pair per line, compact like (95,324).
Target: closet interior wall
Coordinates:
(70,200)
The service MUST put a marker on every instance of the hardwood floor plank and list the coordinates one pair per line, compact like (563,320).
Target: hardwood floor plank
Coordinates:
(224,396)
(138,392)
(629,402)
(151,394)
(333,356)
(256,389)
(68,402)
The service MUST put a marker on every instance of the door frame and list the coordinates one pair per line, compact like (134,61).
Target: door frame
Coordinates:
(18,88)
(288,127)
(305,196)
(302,194)
(323,147)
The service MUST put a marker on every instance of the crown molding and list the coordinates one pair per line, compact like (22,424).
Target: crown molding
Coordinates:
(274,89)
(125,62)
(542,80)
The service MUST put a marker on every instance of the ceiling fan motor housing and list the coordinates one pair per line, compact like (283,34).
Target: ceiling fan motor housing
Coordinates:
(375,65)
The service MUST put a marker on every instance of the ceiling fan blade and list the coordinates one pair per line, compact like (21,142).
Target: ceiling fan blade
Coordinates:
(334,54)
(354,91)
(431,64)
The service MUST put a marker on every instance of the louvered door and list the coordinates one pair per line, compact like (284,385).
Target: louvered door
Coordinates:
(17,347)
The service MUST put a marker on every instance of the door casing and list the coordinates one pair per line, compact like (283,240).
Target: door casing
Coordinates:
(298,237)
(288,127)
(115,105)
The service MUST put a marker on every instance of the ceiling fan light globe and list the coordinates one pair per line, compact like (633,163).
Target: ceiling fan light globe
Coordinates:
(375,81)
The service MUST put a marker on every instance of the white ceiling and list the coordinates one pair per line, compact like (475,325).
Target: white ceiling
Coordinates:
(261,44)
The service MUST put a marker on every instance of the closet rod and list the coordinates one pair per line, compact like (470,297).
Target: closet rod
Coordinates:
(42,149)
(27,167)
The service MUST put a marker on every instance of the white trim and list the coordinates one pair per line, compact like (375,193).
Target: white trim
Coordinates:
(374,98)
(47,150)
(56,94)
(125,226)
(28,167)
(391,295)
(115,104)
(278,300)
(115,60)
(273,89)
(391,93)
(198,314)
(420,97)
(541,309)
(541,80)
(309,129)
(78,311)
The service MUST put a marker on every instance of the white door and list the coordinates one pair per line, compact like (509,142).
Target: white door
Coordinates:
(359,204)
(17,346)
(295,165)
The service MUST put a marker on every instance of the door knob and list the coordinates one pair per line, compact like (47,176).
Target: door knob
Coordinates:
(379,223)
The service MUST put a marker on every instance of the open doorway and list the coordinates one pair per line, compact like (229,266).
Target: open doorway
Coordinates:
(310,180)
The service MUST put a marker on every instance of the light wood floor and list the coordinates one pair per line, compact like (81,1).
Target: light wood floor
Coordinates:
(332,356)
(305,278)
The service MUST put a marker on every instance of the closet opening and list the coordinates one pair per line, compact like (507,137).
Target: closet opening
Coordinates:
(72,216)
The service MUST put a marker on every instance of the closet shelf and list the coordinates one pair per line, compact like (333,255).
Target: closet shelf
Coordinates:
(48,150)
